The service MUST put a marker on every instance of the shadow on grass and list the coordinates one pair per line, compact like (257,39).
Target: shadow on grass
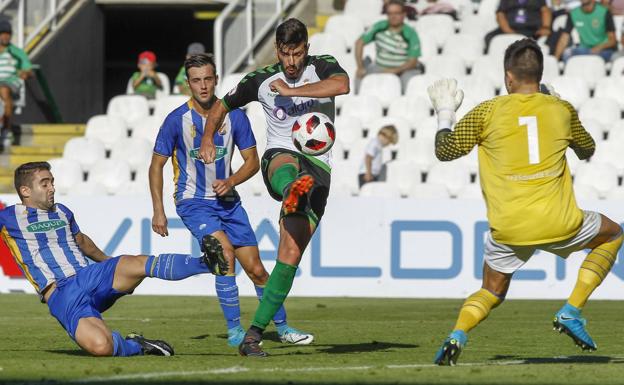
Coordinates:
(561,360)
(69,352)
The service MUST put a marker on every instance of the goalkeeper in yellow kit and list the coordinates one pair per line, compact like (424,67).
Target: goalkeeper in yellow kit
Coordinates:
(526,183)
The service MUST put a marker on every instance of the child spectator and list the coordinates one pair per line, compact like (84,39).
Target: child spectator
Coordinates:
(146,82)
(372,168)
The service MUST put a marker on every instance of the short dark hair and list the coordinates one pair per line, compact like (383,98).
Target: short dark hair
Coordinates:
(24,174)
(292,32)
(199,60)
(525,60)
(400,3)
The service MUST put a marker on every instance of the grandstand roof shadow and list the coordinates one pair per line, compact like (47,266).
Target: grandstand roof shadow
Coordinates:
(561,359)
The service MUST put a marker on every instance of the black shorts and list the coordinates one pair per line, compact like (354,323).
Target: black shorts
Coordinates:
(317,197)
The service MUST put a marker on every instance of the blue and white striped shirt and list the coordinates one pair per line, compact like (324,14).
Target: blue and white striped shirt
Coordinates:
(42,242)
(180,138)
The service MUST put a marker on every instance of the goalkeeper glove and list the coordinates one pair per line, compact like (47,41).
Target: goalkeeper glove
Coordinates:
(446,99)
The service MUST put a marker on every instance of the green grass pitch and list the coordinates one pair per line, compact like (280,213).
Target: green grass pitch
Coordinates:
(372,341)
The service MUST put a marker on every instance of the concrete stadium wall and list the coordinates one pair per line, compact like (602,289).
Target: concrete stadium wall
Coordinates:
(73,64)
(365,247)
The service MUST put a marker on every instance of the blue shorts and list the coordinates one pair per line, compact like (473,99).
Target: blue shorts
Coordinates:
(87,294)
(205,216)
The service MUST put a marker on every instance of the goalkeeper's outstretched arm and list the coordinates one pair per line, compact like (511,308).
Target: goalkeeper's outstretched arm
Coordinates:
(582,143)
(452,144)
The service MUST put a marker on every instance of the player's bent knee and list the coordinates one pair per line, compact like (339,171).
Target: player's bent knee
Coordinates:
(99,346)
(132,264)
(258,274)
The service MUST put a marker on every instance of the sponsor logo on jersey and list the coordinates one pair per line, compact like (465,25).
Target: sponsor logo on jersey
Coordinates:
(295,109)
(221,152)
(44,226)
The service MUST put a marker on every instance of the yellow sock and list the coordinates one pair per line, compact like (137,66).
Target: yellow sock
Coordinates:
(593,271)
(475,309)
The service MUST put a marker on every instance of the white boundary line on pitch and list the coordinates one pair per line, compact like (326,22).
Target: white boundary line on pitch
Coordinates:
(240,369)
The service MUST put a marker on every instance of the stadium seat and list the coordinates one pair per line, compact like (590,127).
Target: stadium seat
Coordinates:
(111,174)
(610,153)
(255,113)
(366,108)
(585,192)
(428,45)
(137,152)
(477,26)
(131,108)
(403,174)
(368,11)
(417,86)
(404,128)
(467,47)
(147,128)
(379,190)
(413,109)
(573,161)
(439,25)
(429,191)
(589,67)
(477,88)
(600,176)
(385,87)
(228,83)
(488,67)
(487,8)
(345,178)
(348,26)
(464,8)
(450,174)
(616,134)
(84,151)
(499,44)
(166,104)
(348,129)
(617,194)
(551,68)
(106,129)
(611,87)
(445,66)
(327,44)
(573,89)
(604,110)
(470,191)
(355,151)
(595,129)
(67,174)
(468,104)
(88,188)
(617,67)
(419,151)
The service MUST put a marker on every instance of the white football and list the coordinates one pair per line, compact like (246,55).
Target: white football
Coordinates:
(313,133)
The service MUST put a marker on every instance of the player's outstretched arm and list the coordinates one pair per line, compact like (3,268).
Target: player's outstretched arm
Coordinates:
(251,165)
(215,118)
(88,247)
(332,86)
(159,219)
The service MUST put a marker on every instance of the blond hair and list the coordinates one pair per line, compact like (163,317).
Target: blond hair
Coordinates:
(390,132)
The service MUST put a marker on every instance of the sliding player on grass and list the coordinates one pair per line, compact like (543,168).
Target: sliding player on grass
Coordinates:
(52,252)
(526,183)
(298,84)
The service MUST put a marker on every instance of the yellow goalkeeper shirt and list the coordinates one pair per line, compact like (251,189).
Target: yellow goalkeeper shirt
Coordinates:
(524,174)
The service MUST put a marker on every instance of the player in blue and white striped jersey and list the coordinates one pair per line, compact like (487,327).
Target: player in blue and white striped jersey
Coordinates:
(205,197)
(52,252)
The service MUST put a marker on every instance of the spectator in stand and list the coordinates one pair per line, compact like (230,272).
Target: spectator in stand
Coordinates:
(15,67)
(397,44)
(195,48)
(410,10)
(439,7)
(615,6)
(146,82)
(531,18)
(619,53)
(596,29)
(372,168)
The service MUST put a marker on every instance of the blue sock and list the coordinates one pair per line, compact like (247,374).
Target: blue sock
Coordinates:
(280,317)
(125,348)
(174,267)
(227,291)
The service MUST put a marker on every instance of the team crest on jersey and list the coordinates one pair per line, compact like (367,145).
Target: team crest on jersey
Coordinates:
(44,226)
(193,131)
(221,152)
